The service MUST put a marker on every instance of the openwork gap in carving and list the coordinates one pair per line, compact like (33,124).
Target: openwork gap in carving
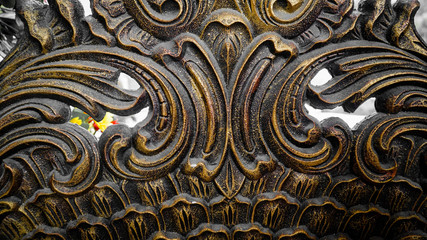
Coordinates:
(228,150)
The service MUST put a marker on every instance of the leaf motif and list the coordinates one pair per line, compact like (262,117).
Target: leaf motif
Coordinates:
(296,233)
(136,222)
(229,180)
(227,33)
(89,227)
(209,231)
(46,232)
(251,231)
(275,210)
(366,221)
(56,209)
(199,74)
(26,125)
(351,190)
(39,29)
(187,121)
(376,19)
(184,213)
(361,74)
(403,32)
(125,29)
(380,22)
(15,226)
(98,30)
(105,200)
(90,84)
(374,139)
(76,145)
(72,12)
(230,212)
(33,110)
(158,144)
(402,224)
(321,216)
(250,82)
(267,103)
(402,98)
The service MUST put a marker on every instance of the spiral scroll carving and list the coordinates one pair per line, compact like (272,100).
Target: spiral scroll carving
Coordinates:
(168,18)
(228,149)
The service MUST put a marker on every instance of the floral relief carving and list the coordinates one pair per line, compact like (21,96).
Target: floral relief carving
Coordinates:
(228,149)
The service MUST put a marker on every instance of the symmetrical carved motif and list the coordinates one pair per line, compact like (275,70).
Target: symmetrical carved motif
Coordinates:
(228,150)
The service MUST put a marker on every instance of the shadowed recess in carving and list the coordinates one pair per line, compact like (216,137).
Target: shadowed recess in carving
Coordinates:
(126,82)
(352,119)
(322,77)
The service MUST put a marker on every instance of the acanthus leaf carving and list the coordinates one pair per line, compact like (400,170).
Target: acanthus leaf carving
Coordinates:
(382,22)
(89,227)
(73,171)
(228,149)
(227,33)
(370,150)
(356,223)
(142,153)
(122,26)
(136,222)
(198,71)
(246,97)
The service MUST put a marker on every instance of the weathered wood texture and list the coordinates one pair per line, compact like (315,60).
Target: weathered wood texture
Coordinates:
(228,150)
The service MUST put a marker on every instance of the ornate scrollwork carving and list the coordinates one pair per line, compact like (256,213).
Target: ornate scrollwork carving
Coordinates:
(168,18)
(228,149)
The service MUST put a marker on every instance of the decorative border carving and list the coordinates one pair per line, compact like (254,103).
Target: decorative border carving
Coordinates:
(228,149)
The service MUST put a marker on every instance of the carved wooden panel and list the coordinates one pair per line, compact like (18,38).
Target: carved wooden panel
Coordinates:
(228,150)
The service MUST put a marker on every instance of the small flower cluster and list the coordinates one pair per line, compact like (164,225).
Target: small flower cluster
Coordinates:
(96,128)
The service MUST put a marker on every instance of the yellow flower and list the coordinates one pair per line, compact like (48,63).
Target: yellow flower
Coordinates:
(76,120)
(105,122)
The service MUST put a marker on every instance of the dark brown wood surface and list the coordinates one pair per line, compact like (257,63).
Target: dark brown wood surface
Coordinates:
(228,150)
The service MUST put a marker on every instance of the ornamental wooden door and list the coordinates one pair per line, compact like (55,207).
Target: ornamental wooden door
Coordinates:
(228,149)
